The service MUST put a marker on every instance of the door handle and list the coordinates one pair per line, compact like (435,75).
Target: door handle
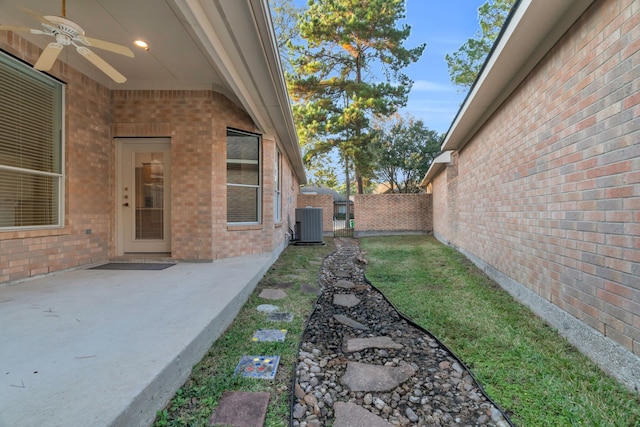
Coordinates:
(125,204)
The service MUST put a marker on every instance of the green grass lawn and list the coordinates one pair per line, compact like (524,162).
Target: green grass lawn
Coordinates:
(523,364)
(194,402)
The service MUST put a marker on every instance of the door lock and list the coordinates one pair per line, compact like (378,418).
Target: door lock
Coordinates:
(125,204)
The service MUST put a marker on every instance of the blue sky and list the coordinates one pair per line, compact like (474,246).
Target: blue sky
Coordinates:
(444,25)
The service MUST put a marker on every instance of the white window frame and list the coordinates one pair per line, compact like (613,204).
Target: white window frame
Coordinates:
(257,186)
(277,202)
(58,107)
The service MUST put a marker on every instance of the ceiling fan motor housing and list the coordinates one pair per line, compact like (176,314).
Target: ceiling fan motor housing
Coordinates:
(63,29)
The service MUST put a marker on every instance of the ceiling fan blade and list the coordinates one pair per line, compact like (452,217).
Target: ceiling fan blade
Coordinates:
(105,45)
(101,64)
(14,29)
(35,15)
(21,29)
(48,56)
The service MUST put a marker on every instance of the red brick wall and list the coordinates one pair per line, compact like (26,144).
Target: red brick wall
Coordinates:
(379,213)
(548,190)
(88,201)
(324,201)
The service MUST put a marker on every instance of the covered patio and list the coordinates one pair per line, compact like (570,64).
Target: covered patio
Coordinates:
(110,347)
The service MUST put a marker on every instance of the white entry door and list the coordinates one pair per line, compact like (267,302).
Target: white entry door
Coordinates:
(143,196)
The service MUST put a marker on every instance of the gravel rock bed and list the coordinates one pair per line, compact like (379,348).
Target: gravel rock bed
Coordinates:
(440,391)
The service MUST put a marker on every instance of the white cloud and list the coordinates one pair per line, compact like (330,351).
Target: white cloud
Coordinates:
(427,86)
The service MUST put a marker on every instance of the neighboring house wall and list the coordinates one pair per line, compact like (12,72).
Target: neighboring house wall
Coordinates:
(196,122)
(324,201)
(548,190)
(88,201)
(392,213)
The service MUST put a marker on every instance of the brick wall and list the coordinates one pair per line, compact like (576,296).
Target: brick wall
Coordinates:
(88,203)
(324,201)
(548,190)
(392,213)
(196,122)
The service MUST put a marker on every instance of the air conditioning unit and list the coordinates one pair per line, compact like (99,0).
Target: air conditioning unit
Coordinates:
(309,225)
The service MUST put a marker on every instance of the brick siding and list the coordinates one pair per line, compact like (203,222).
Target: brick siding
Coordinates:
(548,190)
(392,213)
(88,203)
(196,122)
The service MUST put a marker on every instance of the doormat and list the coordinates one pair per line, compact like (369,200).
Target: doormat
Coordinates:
(261,367)
(132,266)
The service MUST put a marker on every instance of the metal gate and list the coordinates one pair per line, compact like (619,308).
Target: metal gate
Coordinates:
(343,223)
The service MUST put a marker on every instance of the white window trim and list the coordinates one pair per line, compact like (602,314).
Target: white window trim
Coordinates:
(277,202)
(258,186)
(60,176)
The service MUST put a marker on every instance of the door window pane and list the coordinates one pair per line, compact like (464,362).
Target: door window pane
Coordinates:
(149,196)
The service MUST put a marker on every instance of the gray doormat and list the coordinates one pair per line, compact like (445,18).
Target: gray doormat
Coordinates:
(132,266)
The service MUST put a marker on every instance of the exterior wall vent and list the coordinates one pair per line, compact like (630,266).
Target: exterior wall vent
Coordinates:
(309,225)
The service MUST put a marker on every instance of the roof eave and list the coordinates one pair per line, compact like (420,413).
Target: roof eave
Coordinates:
(534,26)
(238,37)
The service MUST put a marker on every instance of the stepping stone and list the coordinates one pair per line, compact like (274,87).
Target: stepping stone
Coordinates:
(270,335)
(267,308)
(273,294)
(280,316)
(365,377)
(344,284)
(310,289)
(359,344)
(343,274)
(241,409)
(352,415)
(346,300)
(261,367)
(350,322)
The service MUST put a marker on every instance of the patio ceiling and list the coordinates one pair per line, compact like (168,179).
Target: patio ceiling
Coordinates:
(226,46)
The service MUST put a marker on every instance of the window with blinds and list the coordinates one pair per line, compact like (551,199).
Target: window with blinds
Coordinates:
(31,174)
(243,177)
(277,203)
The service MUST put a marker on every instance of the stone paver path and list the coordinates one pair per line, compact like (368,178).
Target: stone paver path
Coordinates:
(346,300)
(267,308)
(365,377)
(344,284)
(241,409)
(352,415)
(362,364)
(272,294)
(350,322)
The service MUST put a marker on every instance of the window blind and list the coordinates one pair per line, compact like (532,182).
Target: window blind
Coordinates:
(30,146)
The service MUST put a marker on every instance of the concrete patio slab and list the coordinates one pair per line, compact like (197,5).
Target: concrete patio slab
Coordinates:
(109,347)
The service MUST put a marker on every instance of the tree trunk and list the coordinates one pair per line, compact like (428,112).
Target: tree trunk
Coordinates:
(360,184)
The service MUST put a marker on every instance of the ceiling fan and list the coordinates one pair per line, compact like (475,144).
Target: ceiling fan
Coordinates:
(67,32)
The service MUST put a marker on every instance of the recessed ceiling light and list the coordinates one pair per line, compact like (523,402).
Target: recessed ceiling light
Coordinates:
(142,44)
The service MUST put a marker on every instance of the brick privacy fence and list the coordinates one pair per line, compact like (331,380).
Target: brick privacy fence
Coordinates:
(378,213)
(324,201)
(392,213)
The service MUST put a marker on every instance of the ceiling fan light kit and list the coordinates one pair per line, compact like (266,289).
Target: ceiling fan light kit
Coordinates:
(67,32)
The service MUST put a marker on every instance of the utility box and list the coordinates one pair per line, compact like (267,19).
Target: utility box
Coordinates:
(309,225)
